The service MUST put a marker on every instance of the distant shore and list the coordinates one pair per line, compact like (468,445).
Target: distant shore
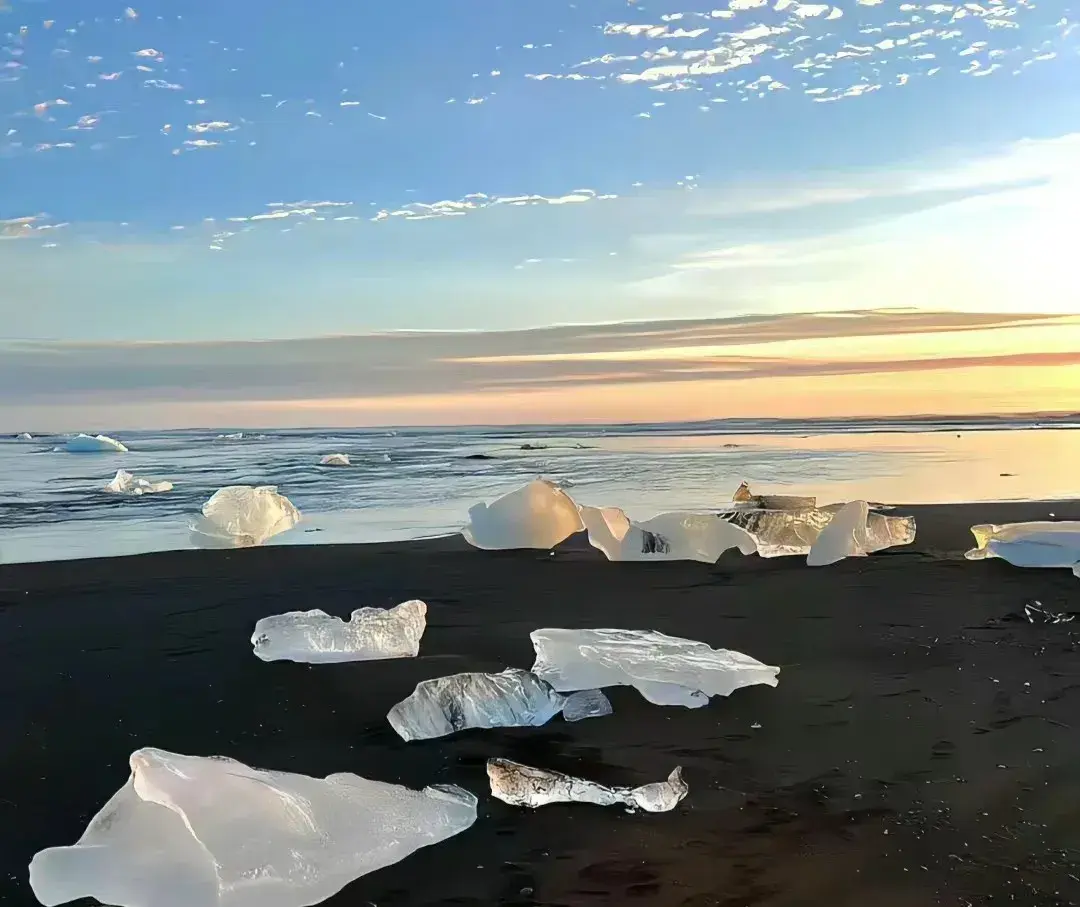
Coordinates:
(922,747)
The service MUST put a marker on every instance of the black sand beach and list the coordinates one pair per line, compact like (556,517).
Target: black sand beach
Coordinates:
(922,748)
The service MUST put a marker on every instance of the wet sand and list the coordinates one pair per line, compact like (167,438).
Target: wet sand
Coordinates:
(922,748)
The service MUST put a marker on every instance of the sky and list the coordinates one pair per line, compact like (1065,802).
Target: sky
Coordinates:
(401,201)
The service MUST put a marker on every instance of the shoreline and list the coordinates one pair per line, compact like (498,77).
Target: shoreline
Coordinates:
(921,747)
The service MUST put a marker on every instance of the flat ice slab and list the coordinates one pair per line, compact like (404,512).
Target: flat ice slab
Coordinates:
(666,670)
(94,444)
(1036,544)
(523,785)
(190,831)
(315,637)
(241,516)
(538,515)
(445,705)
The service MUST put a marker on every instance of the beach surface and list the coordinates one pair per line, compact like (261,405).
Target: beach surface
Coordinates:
(922,747)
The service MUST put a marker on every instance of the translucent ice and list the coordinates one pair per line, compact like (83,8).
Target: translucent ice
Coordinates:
(586,704)
(1039,544)
(854,531)
(189,831)
(744,498)
(667,537)
(24,436)
(438,707)
(666,670)
(537,515)
(315,637)
(240,516)
(126,483)
(94,444)
(523,785)
(335,459)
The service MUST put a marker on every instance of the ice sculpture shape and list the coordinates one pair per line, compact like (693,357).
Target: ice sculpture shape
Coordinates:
(523,785)
(537,515)
(335,459)
(744,498)
(1036,544)
(315,637)
(240,516)
(126,483)
(667,537)
(94,444)
(444,705)
(189,831)
(666,670)
(586,704)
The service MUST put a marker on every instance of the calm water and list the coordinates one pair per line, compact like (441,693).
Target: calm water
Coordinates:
(415,483)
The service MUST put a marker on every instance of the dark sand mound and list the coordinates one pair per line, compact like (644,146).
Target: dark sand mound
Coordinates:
(922,748)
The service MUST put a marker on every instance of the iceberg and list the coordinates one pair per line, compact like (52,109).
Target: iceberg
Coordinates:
(537,515)
(1036,544)
(335,459)
(523,785)
(666,670)
(190,831)
(744,498)
(241,516)
(667,537)
(94,444)
(315,637)
(442,706)
(126,483)
(586,704)
(24,436)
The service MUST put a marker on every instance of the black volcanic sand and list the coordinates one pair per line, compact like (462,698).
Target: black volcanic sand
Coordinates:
(922,748)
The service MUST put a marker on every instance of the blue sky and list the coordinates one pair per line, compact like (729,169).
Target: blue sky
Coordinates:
(240,171)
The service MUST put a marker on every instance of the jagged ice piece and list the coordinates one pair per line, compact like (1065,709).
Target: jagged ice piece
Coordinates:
(1035,544)
(126,483)
(241,516)
(586,704)
(667,537)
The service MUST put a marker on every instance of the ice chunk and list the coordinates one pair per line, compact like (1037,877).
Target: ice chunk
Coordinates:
(189,831)
(336,459)
(438,707)
(315,637)
(666,670)
(240,516)
(126,483)
(1037,544)
(24,436)
(844,536)
(523,785)
(744,498)
(586,704)
(667,537)
(94,444)
(781,533)
(537,515)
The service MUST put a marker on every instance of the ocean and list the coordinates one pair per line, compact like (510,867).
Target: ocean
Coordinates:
(416,483)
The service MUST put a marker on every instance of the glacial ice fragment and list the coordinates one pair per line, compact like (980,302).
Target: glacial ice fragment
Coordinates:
(586,704)
(94,444)
(126,483)
(241,516)
(666,670)
(744,498)
(335,459)
(667,537)
(444,705)
(315,637)
(538,515)
(523,785)
(1035,544)
(190,831)
(24,436)
(844,536)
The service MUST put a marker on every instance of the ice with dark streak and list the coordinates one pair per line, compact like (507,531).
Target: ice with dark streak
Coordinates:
(666,670)
(315,637)
(524,785)
(192,831)
(666,537)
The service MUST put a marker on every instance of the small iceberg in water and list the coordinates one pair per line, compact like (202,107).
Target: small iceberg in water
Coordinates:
(539,515)
(666,670)
(94,444)
(126,483)
(667,537)
(190,831)
(24,436)
(523,785)
(335,459)
(1037,544)
(445,705)
(242,516)
(315,637)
